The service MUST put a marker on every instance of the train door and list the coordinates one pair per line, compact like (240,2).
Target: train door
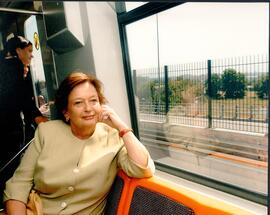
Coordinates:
(37,70)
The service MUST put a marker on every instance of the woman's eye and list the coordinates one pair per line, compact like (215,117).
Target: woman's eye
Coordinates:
(93,101)
(77,102)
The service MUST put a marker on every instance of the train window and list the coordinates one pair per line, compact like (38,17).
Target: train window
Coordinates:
(132,5)
(200,80)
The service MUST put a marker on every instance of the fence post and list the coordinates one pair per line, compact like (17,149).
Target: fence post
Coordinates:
(267,115)
(222,112)
(136,98)
(166,84)
(251,113)
(135,82)
(209,93)
(236,112)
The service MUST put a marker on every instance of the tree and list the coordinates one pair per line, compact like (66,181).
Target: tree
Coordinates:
(233,84)
(261,87)
(143,89)
(216,86)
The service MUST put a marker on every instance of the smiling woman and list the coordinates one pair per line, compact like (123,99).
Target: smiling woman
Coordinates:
(82,106)
(83,110)
(98,143)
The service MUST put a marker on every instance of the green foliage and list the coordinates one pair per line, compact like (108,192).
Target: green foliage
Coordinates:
(233,84)
(176,87)
(154,92)
(261,87)
(144,88)
(216,86)
(174,92)
(180,91)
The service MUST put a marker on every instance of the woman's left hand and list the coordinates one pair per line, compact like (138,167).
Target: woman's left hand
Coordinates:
(107,115)
(136,151)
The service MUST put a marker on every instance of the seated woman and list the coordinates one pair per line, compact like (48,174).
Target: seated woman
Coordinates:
(73,162)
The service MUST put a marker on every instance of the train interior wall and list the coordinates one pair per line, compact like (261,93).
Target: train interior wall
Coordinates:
(101,55)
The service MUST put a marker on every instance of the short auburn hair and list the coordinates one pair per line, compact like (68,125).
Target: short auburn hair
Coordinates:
(69,83)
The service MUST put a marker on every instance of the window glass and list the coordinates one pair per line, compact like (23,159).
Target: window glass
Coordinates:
(200,73)
(132,5)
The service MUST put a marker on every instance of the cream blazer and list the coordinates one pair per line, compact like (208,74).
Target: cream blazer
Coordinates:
(72,176)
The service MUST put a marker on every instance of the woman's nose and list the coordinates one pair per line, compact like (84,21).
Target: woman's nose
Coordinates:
(88,106)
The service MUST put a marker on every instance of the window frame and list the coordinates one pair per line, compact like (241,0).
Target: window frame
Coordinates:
(146,10)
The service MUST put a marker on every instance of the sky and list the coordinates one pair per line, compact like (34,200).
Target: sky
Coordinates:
(194,32)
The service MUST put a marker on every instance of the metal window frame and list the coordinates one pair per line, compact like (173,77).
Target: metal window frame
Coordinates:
(125,18)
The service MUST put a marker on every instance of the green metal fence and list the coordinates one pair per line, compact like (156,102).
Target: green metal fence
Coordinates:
(227,93)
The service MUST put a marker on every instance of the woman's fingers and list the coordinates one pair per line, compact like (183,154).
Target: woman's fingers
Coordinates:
(104,115)
(108,116)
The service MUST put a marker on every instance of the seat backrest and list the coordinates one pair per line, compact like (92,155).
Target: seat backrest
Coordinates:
(114,196)
(145,201)
(154,196)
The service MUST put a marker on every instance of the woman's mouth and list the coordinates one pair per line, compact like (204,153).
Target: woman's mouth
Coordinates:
(88,117)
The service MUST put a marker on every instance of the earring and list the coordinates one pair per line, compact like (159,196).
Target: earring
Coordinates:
(67,119)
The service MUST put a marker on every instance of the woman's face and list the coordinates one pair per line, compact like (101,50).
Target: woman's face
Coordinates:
(25,54)
(83,107)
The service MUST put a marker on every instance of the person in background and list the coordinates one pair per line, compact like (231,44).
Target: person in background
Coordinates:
(95,143)
(17,105)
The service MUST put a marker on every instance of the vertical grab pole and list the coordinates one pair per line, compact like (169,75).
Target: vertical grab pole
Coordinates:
(166,84)
(135,82)
(209,93)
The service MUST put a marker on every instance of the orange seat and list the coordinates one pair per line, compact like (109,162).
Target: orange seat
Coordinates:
(130,196)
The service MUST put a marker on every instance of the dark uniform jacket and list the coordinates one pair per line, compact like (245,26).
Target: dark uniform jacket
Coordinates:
(16,96)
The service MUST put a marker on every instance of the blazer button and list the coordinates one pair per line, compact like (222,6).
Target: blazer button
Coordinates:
(76,170)
(71,188)
(63,204)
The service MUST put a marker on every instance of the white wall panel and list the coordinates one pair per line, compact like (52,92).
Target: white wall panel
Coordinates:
(107,55)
